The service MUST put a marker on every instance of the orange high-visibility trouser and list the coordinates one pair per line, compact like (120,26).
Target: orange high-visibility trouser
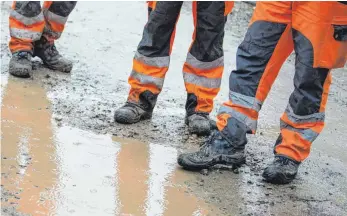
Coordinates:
(28,22)
(202,71)
(317,31)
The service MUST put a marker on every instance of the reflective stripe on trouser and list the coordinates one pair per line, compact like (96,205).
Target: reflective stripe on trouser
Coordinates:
(203,68)
(56,14)
(26,25)
(269,40)
(152,58)
(28,21)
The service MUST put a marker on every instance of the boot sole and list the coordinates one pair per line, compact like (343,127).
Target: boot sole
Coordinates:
(64,70)
(220,159)
(125,120)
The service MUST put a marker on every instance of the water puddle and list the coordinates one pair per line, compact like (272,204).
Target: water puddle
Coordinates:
(51,170)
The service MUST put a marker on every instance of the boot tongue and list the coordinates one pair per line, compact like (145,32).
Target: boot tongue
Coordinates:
(217,142)
(203,115)
(23,55)
(49,47)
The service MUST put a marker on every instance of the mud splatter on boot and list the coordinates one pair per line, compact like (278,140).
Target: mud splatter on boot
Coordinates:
(199,123)
(131,113)
(20,64)
(217,150)
(50,56)
(281,170)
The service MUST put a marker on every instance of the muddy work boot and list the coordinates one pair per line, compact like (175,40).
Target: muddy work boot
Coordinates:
(50,56)
(131,113)
(199,123)
(217,150)
(282,170)
(20,64)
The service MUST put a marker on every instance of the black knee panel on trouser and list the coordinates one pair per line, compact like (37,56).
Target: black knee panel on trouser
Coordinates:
(62,8)
(253,55)
(208,43)
(157,33)
(308,81)
(28,8)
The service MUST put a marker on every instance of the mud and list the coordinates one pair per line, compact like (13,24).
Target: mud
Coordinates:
(62,154)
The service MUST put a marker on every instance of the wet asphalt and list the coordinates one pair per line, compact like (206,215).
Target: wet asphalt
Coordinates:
(62,154)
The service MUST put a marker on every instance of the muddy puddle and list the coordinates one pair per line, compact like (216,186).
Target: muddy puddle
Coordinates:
(53,169)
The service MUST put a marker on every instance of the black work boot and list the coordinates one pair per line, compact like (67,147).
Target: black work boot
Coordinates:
(50,56)
(20,64)
(199,123)
(282,170)
(217,150)
(131,113)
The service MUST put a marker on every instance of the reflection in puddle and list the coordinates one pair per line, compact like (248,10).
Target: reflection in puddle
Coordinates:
(27,167)
(68,171)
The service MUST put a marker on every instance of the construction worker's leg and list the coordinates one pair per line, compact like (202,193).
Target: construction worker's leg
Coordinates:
(304,116)
(26,26)
(150,63)
(204,65)
(56,14)
(320,40)
(320,45)
(267,44)
(152,57)
(203,69)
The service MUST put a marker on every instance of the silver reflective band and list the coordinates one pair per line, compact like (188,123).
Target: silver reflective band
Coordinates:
(204,65)
(25,34)
(245,101)
(315,117)
(201,81)
(54,17)
(250,123)
(145,79)
(27,20)
(153,61)
(306,134)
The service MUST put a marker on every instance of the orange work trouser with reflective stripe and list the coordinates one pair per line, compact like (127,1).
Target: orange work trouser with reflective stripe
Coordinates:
(317,31)
(204,65)
(28,22)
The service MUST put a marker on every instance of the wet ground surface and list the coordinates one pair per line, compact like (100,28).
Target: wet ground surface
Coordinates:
(62,154)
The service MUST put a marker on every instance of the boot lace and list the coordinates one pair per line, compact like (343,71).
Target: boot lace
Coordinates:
(23,55)
(205,148)
(133,107)
(52,50)
(285,161)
